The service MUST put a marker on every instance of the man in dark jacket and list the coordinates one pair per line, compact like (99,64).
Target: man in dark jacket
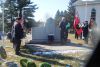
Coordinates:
(18,34)
(85,31)
(64,26)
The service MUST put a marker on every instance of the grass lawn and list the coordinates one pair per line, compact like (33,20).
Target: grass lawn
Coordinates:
(56,60)
(71,36)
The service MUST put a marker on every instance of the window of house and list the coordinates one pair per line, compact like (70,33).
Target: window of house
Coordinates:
(93,14)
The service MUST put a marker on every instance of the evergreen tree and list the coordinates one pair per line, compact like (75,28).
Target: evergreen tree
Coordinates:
(62,14)
(58,17)
(28,15)
(0,21)
(13,7)
(71,12)
(65,14)
(21,4)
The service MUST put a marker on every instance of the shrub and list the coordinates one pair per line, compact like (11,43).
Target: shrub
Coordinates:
(0,63)
(23,62)
(3,52)
(45,64)
(31,64)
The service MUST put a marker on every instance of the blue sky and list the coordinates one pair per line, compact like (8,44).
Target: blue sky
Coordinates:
(48,8)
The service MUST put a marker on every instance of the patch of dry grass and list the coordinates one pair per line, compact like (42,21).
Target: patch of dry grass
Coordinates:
(72,37)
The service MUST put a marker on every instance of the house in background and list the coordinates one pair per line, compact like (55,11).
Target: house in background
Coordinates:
(88,9)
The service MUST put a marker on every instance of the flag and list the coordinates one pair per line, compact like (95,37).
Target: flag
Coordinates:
(76,22)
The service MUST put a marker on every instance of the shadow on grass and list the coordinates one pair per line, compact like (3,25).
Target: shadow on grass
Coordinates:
(49,58)
(34,48)
(38,47)
(77,45)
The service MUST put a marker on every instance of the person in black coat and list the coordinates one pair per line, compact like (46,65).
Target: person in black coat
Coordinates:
(64,26)
(85,31)
(18,34)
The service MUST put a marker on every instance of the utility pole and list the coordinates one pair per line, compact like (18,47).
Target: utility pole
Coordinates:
(20,8)
(86,11)
(11,12)
(3,22)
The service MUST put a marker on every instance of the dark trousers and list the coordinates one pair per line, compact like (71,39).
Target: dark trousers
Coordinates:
(85,34)
(16,45)
(76,35)
(64,35)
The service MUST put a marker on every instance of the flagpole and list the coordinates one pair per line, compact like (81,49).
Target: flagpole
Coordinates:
(86,10)
(18,13)
(2,22)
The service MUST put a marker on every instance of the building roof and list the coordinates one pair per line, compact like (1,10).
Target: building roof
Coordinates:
(81,3)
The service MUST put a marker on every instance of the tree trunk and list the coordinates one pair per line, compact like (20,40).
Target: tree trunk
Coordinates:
(20,14)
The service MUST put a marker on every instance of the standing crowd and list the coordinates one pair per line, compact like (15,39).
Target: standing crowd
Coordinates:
(82,30)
